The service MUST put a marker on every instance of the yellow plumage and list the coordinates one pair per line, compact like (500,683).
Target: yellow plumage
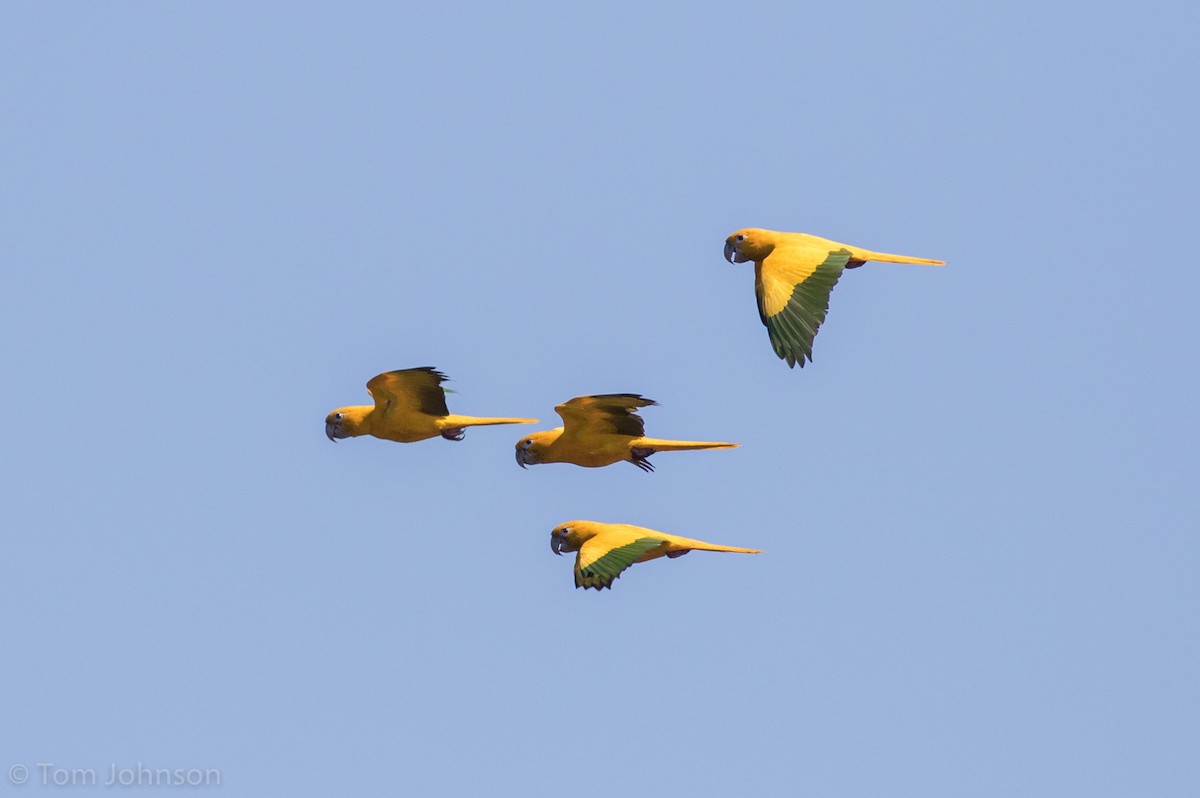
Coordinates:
(794,274)
(410,405)
(605,550)
(598,431)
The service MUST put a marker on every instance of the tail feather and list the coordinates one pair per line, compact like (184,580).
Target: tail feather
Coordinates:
(700,545)
(659,445)
(885,257)
(734,549)
(472,421)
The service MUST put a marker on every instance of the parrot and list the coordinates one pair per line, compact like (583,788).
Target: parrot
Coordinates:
(410,405)
(794,274)
(600,430)
(605,550)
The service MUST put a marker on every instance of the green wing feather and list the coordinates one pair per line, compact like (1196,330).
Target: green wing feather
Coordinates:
(793,328)
(601,572)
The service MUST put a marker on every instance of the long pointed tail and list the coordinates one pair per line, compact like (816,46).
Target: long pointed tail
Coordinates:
(472,421)
(699,545)
(734,549)
(659,445)
(889,258)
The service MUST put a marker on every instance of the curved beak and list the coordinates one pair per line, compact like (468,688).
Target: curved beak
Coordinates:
(520,459)
(732,255)
(329,428)
(556,544)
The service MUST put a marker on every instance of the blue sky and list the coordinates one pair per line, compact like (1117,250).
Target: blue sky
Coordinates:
(978,505)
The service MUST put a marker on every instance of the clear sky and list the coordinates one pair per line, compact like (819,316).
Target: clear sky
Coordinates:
(978,505)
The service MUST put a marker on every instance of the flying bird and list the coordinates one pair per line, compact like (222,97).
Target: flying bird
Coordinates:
(601,430)
(605,550)
(410,405)
(793,276)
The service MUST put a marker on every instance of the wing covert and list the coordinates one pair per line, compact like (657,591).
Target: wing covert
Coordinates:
(416,390)
(793,299)
(602,558)
(611,413)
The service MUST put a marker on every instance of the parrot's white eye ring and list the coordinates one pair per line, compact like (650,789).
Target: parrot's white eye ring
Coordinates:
(741,237)
(338,416)
(527,442)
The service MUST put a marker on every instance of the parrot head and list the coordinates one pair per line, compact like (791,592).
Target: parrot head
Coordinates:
(345,422)
(748,244)
(529,448)
(568,537)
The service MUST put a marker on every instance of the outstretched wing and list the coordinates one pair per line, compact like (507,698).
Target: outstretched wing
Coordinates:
(604,414)
(409,391)
(793,284)
(603,557)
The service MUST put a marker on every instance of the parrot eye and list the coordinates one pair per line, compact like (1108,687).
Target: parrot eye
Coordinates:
(741,237)
(527,443)
(338,416)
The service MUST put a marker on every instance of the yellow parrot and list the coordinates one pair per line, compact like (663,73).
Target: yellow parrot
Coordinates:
(410,405)
(605,550)
(601,430)
(794,274)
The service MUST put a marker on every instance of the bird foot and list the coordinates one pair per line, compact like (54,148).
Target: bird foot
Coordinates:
(640,458)
(454,433)
(674,554)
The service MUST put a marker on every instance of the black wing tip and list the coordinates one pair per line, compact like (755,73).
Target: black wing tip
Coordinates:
(431,370)
(637,397)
